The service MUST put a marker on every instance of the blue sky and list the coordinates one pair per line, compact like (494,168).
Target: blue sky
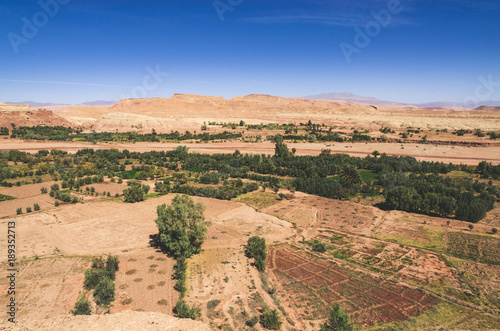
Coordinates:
(421,50)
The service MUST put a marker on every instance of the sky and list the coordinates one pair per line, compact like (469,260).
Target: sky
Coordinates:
(412,51)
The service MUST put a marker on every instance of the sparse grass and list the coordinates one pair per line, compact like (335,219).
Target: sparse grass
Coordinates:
(434,239)
(258,200)
(474,247)
(153,195)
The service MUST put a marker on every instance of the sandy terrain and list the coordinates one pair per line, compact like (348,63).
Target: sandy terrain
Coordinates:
(124,321)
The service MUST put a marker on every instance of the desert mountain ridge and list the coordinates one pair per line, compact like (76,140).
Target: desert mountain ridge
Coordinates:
(344,97)
(183,112)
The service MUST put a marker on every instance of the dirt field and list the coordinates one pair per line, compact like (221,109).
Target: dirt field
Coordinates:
(47,287)
(309,282)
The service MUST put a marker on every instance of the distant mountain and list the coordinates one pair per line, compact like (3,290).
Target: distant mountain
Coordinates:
(99,103)
(32,104)
(349,97)
(445,104)
(488,108)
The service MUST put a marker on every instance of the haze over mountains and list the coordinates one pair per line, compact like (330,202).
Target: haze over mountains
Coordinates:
(350,97)
(34,104)
(346,97)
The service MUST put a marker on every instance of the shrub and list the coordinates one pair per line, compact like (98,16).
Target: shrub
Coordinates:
(82,307)
(252,322)
(271,319)
(112,265)
(494,230)
(19,211)
(318,246)
(183,310)
(337,320)
(28,209)
(43,190)
(36,207)
(56,203)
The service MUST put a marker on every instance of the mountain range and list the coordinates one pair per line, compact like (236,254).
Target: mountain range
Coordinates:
(347,97)
(350,97)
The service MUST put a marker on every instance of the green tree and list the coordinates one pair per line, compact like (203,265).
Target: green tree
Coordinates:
(256,248)
(134,194)
(337,321)
(183,310)
(350,175)
(271,319)
(182,227)
(280,148)
(104,292)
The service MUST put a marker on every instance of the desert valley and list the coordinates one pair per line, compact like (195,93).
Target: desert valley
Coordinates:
(292,206)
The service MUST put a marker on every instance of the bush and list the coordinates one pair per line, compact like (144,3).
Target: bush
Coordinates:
(104,292)
(494,230)
(82,307)
(19,211)
(271,320)
(320,247)
(252,322)
(56,203)
(43,190)
(36,207)
(112,265)
(183,310)
(28,209)
(337,320)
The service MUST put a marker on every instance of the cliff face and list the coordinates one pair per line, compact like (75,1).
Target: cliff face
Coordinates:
(24,116)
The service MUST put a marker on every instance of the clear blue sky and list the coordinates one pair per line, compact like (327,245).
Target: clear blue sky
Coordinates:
(92,50)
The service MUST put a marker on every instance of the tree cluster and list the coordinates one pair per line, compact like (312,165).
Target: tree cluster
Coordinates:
(256,248)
